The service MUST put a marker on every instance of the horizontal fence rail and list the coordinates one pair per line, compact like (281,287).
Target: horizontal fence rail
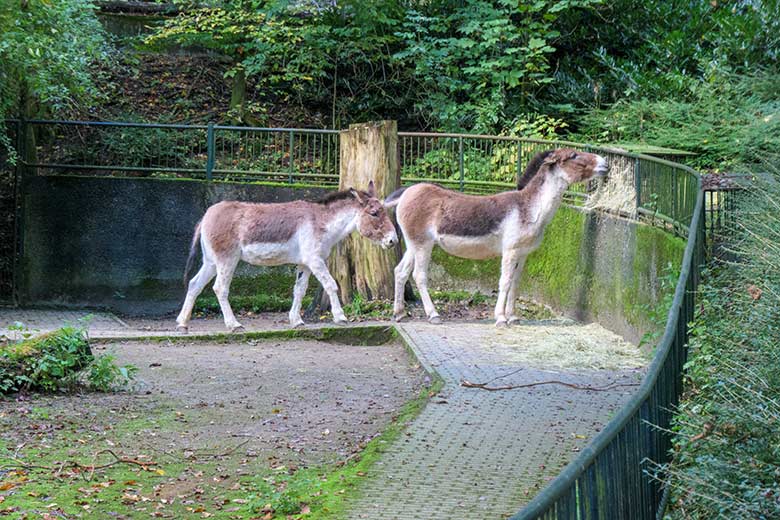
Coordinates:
(213,152)
(645,188)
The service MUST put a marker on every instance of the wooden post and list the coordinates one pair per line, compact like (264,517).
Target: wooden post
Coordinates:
(368,151)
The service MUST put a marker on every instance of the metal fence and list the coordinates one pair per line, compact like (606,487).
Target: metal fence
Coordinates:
(654,190)
(613,477)
(213,152)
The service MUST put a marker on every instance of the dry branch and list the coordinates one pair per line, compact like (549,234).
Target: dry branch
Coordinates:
(575,386)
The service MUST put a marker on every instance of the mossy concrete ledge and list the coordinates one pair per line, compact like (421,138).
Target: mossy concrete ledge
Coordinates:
(590,266)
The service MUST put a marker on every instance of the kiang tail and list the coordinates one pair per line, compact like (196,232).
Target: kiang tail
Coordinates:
(193,253)
(394,198)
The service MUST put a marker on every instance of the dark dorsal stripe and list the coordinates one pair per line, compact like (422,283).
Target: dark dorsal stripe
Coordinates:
(336,196)
(534,165)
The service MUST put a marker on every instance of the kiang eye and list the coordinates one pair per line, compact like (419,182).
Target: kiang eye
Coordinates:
(573,156)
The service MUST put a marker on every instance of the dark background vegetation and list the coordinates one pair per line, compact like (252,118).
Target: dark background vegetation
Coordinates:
(702,76)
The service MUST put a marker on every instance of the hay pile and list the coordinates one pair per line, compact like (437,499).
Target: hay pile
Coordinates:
(617,193)
(552,345)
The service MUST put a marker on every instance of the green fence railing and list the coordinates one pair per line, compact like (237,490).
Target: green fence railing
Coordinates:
(213,152)
(645,188)
(615,475)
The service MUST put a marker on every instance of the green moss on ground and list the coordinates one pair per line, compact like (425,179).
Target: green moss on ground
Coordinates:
(67,467)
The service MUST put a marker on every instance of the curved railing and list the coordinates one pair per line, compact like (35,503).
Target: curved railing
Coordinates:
(613,476)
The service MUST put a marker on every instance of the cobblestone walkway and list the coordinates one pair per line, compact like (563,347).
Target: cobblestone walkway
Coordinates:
(471,454)
(474,454)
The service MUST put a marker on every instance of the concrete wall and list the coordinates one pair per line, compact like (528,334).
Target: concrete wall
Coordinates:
(121,243)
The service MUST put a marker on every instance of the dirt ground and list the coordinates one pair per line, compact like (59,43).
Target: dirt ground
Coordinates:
(215,413)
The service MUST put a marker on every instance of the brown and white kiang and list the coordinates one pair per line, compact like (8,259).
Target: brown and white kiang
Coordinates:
(510,224)
(299,232)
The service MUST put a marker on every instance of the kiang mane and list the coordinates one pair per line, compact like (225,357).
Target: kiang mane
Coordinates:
(533,167)
(336,196)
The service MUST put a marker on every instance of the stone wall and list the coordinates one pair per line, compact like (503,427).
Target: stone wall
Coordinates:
(122,243)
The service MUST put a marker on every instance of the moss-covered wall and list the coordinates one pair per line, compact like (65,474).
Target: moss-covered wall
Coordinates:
(590,266)
(122,243)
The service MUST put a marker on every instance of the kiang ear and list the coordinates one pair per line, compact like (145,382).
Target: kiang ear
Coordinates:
(359,195)
(371,190)
(552,158)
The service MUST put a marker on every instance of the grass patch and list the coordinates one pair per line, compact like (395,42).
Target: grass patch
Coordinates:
(322,492)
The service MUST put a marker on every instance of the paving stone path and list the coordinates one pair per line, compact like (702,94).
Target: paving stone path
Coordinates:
(471,453)
(481,455)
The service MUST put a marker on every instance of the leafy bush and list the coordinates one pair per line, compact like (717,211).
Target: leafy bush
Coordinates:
(57,361)
(726,124)
(728,440)
(104,375)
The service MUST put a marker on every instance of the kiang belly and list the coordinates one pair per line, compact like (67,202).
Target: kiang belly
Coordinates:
(269,253)
(475,248)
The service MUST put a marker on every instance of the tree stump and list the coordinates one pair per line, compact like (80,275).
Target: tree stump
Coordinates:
(368,152)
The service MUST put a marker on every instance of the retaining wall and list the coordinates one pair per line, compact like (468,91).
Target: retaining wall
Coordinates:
(122,243)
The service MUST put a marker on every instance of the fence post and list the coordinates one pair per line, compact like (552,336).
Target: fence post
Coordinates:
(368,152)
(210,151)
(292,162)
(519,160)
(638,183)
(460,164)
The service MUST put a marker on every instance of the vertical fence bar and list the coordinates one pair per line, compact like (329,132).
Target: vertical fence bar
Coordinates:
(292,162)
(460,164)
(209,151)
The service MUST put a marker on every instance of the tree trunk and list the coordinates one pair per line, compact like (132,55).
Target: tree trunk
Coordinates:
(238,95)
(367,152)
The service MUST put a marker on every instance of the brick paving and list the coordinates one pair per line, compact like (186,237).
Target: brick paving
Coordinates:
(474,454)
(470,454)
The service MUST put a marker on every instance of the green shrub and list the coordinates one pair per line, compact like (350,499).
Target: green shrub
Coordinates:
(58,361)
(726,124)
(727,444)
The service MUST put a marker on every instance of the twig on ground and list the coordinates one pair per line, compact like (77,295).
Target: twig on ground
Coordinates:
(224,454)
(91,468)
(483,386)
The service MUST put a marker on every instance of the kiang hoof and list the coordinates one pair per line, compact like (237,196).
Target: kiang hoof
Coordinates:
(435,320)
(297,325)
(341,321)
(237,329)
(399,317)
(514,320)
(182,329)
(501,324)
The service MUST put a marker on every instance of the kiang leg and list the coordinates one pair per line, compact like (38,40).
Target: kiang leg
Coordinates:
(320,271)
(508,262)
(301,284)
(511,297)
(195,287)
(422,257)
(402,272)
(225,270)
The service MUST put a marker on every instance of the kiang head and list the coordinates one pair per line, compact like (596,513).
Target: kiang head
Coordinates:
(575,166)
(373,221)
